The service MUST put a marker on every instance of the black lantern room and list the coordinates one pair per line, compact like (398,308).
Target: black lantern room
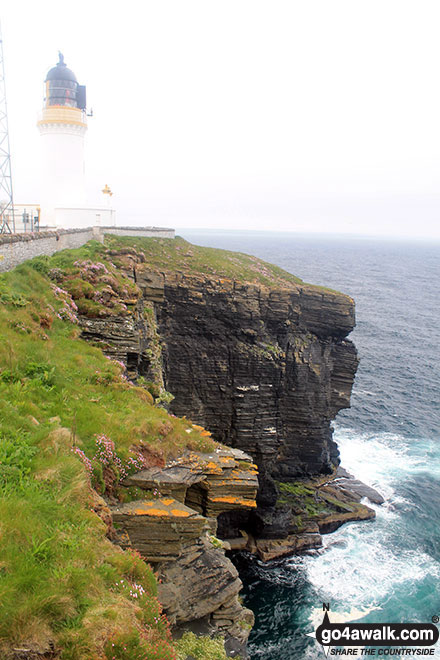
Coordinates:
(62,87)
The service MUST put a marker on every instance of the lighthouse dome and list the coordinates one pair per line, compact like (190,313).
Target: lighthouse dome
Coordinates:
(61,72)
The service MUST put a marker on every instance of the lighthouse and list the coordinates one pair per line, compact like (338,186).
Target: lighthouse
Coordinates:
(63,126)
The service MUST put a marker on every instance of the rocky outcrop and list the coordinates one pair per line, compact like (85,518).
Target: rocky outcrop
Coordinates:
(159,529)
(305,509)
(173,528)
(209,483)
(265,369)
(199,592)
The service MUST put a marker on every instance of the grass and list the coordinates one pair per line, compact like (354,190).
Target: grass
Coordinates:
(180,256)
(200,648)
(177,255)
(63,585)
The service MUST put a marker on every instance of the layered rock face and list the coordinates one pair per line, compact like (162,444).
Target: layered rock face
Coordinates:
(173,530)
(265,370)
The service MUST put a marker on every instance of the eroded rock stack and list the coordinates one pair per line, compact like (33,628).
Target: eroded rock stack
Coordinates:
(175,531)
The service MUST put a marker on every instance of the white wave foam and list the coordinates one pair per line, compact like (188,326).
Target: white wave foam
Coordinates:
(367,566)
(363,564)
(382,460)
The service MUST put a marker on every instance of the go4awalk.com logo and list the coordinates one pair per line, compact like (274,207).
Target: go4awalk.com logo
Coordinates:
(375,639)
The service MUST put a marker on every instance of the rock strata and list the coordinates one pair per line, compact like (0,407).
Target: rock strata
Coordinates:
(198,584)
(264,370)
(159,529)
(209,483)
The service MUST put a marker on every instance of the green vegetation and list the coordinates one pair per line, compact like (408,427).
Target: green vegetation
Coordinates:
(180,256)
(245,625)
(200,648)
(270,351)
(217,543)
(155,353)
(304,500)
(245,465)
(64,407)
(309,500)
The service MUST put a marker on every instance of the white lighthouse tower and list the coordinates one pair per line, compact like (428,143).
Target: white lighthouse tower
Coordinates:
(63,125)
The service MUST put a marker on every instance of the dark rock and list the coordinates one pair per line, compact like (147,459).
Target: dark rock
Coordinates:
(361,490)
(273,523)
(339,543)
(333,522)
(263,370)
(268,549)
(203,584)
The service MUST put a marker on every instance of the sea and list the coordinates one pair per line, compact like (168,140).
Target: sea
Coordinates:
(386,570)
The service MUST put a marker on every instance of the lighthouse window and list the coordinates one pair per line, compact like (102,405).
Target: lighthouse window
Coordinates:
(62,92)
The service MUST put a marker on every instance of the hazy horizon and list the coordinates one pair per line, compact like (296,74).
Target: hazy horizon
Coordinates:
(180,231)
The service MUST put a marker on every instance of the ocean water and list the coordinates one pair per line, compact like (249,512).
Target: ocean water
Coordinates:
(387,569)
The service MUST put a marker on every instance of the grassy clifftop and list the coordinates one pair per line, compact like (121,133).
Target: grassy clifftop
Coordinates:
(69,420)
(179,255)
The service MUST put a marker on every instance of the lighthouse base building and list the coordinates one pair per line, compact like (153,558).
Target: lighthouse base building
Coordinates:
(62,126)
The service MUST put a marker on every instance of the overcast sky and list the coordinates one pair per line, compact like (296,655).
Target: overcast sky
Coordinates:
(311,115)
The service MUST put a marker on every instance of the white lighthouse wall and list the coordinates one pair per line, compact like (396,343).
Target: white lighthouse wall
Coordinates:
(63,172)
(78,217)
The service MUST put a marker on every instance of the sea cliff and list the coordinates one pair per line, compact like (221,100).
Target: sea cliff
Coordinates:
(260,359)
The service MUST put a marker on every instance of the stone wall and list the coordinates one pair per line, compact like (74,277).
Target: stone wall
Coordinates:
(149,232)
(17,248)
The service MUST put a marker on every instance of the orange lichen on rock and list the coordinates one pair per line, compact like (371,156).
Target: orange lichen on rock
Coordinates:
(142,508)
(166,501)
(213,467)
(152,512)
(179,513)
(235,500)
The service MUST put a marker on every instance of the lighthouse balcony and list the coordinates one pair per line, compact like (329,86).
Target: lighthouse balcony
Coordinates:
(61,114)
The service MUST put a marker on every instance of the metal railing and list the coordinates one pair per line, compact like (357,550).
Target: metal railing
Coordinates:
(21,218)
